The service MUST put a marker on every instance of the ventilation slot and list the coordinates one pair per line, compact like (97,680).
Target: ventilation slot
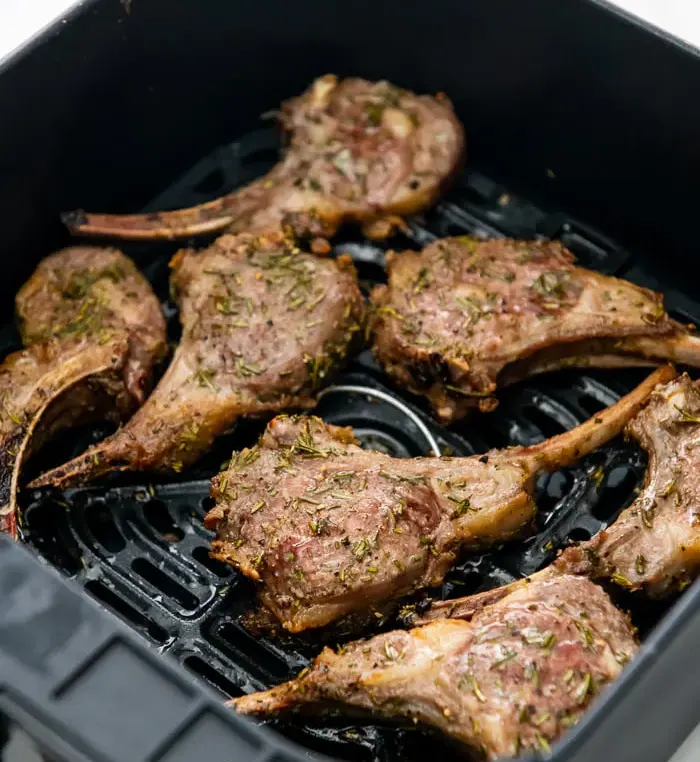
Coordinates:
(579,535)
(260,660)
(545,424)
(464,579)
(212,676)
(205,505)
(124,610)
(159,518)
(618,492)
(201,556)
(100,522)
(552,489)
(591,405)
(164,583)
(49,530)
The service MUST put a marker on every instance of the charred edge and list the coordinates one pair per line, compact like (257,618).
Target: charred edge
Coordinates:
(8,455)
(90,465)
(11,452)
(429,369)
(305,226)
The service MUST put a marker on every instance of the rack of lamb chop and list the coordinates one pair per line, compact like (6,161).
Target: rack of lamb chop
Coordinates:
(515,677)
(654,545)
(465,317)
(330,529)
(93,330)
(263,327)
(358,151)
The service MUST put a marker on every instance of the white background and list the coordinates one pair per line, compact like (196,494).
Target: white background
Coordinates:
(20,19)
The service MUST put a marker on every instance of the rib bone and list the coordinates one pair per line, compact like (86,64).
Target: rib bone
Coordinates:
(358,150)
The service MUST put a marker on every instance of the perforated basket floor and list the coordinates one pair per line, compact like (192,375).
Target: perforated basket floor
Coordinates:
(142,551)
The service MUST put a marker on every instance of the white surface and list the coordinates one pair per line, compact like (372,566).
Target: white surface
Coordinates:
(679,17)
(690,751)
(20,19)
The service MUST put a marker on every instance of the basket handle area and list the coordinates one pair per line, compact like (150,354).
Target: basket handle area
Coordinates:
(84,687)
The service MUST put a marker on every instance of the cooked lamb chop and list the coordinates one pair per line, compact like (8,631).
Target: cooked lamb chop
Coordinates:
(94,331)
(263,326)
(465,317)
(655,542)
(514,678)
(331,529)
(91,291)
(654,545)
(358,150)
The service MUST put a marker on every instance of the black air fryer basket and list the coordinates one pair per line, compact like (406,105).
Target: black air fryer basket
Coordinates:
(582,125)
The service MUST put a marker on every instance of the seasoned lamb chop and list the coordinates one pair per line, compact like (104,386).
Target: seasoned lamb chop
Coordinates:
(94,330)
(91,291)
(654,545)
(655,542)
(263,325)
(358,150)
(514,678)
(464,317)
(331,529)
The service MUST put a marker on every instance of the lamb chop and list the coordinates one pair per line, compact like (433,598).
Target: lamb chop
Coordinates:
(94,331)
(514,678)
(654,545)
(263,326)
(358,150)
(464,317)
(332,530)
(91,291)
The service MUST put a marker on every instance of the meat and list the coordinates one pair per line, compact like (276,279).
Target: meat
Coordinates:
(331,530)
(514,678)
(94,331)
(263,327)
(95,292)
(465,317)
(358,150)
(654,545)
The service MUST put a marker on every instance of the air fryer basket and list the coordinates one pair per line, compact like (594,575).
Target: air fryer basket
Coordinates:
(139,546)
(142,550)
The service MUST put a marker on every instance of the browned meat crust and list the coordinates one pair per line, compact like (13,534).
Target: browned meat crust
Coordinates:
(358,150)
(464,317)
